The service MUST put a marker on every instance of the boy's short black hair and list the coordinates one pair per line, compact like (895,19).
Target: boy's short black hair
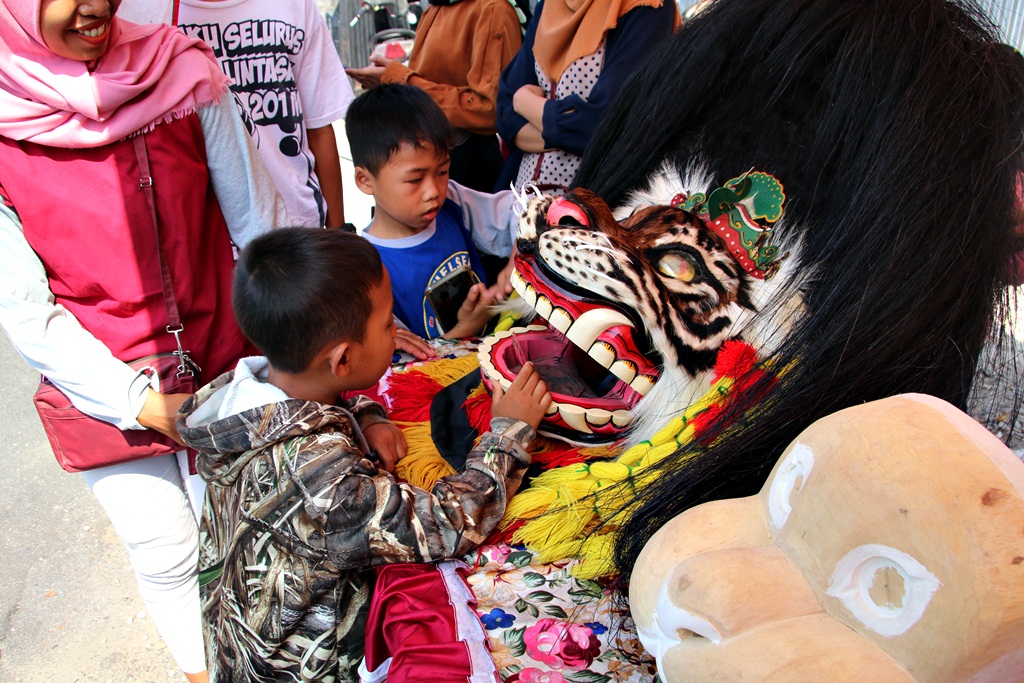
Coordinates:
(298,289)
(383,119)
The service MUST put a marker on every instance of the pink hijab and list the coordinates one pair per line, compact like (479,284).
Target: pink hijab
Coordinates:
(148,75)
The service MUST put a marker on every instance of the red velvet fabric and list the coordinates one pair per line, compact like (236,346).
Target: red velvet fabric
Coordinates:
(414,620)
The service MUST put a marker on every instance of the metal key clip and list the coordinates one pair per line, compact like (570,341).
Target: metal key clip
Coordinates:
(186,366)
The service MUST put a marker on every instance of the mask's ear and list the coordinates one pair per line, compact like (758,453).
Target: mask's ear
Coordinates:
(341,359)
(364,180)
(662,187)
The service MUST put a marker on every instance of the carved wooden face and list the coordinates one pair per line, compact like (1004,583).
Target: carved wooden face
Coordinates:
(888,544)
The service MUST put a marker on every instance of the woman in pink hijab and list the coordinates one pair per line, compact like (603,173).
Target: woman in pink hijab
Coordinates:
(125,172)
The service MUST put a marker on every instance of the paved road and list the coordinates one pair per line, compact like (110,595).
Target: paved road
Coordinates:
(69,610)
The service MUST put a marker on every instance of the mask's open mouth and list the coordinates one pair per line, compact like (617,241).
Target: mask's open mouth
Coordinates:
(586,353)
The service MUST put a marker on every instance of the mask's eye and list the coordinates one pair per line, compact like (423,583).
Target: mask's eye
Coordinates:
(886,589)
(678,265)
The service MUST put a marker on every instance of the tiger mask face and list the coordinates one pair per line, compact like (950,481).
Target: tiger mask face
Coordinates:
(646,303)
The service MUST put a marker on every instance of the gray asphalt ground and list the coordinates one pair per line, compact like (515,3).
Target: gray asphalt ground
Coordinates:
(69,611)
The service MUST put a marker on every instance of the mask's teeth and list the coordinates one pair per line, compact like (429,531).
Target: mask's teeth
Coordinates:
(624,370)
(603,353)
(484,356)
(587,327)
(560,320)
(528,293)
(543,306)
(516,280)
(621,418)
(582,419)
(642,385)
(575,417)
(598,417)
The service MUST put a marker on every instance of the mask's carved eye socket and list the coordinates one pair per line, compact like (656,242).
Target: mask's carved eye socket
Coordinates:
(886,589)
(566,214)
(678,265)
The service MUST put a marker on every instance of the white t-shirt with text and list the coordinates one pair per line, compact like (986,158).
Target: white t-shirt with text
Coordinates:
(286,77)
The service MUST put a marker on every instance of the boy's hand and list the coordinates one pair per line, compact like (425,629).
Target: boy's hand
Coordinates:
(527,399)
(473,314)
(412,343)
(388,441)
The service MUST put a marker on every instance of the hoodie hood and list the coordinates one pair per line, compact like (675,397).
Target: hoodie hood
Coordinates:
(233,418)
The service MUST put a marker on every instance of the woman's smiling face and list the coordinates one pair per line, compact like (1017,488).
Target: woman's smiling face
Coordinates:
(77,29)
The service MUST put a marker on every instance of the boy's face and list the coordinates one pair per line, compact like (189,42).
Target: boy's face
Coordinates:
(371,357)
(408,190)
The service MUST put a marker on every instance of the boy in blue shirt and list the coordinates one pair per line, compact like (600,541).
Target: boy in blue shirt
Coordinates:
(428,230)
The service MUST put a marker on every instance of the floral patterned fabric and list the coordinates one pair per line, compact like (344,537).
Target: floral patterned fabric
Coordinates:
(542,624)
(545,626)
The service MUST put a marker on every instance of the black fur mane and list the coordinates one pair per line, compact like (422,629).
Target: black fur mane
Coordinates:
(896,128)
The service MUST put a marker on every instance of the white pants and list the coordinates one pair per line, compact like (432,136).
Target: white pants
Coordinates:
(153,505)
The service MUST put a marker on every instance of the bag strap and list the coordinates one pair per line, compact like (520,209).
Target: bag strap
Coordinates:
(146,185)
(186,366)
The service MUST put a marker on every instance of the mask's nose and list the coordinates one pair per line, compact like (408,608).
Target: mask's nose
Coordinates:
(711,574)
(732,591)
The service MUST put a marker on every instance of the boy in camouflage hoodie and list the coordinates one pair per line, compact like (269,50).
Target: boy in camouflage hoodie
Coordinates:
(300,499)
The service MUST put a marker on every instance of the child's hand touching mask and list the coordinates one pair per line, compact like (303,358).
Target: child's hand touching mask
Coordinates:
(527,399)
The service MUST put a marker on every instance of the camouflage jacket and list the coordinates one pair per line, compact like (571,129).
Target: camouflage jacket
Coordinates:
(296,512)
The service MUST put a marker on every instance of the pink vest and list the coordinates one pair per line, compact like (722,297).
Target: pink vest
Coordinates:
(85,216)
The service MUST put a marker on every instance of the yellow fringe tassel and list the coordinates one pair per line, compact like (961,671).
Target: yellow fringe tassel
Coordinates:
(450,370)
(423,465)
(565,506)
(598,552)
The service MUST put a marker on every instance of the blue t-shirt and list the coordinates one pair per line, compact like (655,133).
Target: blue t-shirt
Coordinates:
(416,262)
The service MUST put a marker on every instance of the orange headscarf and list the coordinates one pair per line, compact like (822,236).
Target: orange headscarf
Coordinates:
(570,29)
